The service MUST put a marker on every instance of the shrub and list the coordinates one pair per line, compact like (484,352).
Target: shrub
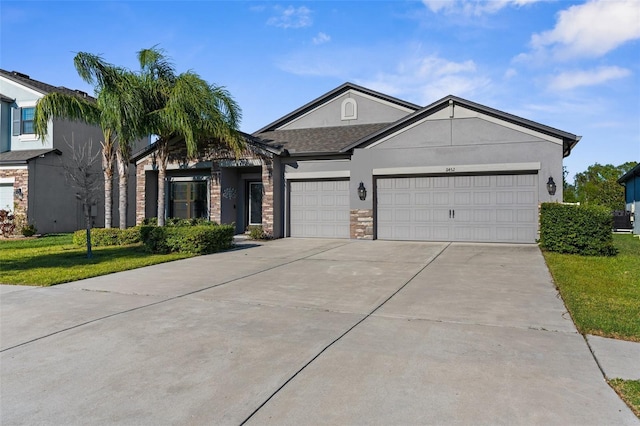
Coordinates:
(199,239)
(7,224)
(29,230)
(175,221)
(108,237)
(584,230)
(256,232)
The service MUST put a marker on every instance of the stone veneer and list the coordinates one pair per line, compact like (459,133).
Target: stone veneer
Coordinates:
(215,192)
(361,224)
(21,180)
(267,196)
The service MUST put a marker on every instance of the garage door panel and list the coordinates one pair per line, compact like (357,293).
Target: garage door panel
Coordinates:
(319,208)
(458,208)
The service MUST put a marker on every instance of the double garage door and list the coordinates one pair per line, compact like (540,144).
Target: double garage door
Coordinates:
(487,208)
(483,208)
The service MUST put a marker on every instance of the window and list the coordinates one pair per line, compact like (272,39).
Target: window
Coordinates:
(188,199)
(23,121)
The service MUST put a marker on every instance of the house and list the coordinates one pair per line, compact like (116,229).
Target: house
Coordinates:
(32,179)
(631,182)
(356,163)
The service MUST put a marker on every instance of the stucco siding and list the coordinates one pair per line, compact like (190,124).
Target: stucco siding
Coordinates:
(369,110)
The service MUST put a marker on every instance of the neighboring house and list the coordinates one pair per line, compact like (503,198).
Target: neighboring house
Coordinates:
(355,163)
(32,180)
(631,182)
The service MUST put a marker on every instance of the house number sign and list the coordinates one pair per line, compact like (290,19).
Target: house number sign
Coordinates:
(450,169)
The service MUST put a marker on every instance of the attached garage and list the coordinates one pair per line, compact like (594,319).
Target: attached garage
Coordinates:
(478,208)
(319,208)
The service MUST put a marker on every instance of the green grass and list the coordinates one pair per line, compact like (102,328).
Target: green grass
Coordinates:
(629,391)
(54,259)
(602,293)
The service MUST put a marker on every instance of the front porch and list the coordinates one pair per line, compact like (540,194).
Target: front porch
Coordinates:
(223,190)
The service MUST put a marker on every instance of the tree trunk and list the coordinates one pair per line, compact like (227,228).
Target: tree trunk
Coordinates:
(162,158)
(107,168)
(123,177)
(87,221)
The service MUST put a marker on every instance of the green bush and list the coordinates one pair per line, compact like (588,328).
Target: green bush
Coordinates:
(585,230)
(256,232)
(175,221)
(108,237)
(29,230)
(199,239)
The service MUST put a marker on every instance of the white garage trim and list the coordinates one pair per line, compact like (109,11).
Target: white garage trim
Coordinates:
(339,174)
(461,168)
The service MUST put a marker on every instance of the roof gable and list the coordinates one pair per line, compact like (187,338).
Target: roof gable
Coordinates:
(455,107)
(314,114)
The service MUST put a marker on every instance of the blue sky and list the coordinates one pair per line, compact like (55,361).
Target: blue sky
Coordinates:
(573,65)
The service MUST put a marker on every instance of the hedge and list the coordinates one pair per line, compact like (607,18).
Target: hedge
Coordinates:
(585,230)
(199,239)
(108,237)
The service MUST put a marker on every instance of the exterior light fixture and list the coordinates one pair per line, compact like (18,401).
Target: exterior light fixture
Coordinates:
(362,192)
(18,193)
(551,186)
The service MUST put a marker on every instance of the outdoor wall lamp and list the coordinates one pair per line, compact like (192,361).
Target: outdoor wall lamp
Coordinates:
(18,193)
(551,186)
(362,192)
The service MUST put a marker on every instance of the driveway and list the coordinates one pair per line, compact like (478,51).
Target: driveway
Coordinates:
(305,331)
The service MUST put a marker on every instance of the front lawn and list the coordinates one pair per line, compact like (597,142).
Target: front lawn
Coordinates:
(54,259)
(602,293)
(629,391)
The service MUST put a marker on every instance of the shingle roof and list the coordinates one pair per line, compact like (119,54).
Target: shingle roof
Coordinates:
(318,140)
(21,157)
(39,86)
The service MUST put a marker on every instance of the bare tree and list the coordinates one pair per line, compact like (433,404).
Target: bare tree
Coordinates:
(82,173)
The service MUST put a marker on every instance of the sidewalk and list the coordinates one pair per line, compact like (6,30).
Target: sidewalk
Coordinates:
(618,359)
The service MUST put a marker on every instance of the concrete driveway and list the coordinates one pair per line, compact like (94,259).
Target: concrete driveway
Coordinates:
(305,331)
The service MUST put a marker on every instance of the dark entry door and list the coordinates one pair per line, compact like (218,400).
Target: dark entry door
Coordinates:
(255,203)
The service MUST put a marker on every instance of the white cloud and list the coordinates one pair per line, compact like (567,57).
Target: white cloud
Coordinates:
(590,30)
(473,7)
(510,73)
(572,79)
(291,17)
(428,79)
(321,38)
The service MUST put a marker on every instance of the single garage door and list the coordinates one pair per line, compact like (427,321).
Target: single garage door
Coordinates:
(485,208)
(319,208)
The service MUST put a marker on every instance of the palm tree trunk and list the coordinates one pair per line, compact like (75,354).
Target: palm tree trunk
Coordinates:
(123,176)
(107,168)
(162,157)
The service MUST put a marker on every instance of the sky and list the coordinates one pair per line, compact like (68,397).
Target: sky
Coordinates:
(572,65)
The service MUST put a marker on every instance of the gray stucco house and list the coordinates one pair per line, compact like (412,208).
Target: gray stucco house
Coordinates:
(356,163)
(631,182)
(32,180)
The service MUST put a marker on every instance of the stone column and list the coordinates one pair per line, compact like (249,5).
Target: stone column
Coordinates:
(141,190)
(361,224)
(267,196)
(215,194)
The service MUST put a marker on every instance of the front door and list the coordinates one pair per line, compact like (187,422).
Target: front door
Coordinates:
(255,203)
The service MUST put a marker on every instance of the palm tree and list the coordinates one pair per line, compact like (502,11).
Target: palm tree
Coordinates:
(120,99)
(184,108)
(69,107)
